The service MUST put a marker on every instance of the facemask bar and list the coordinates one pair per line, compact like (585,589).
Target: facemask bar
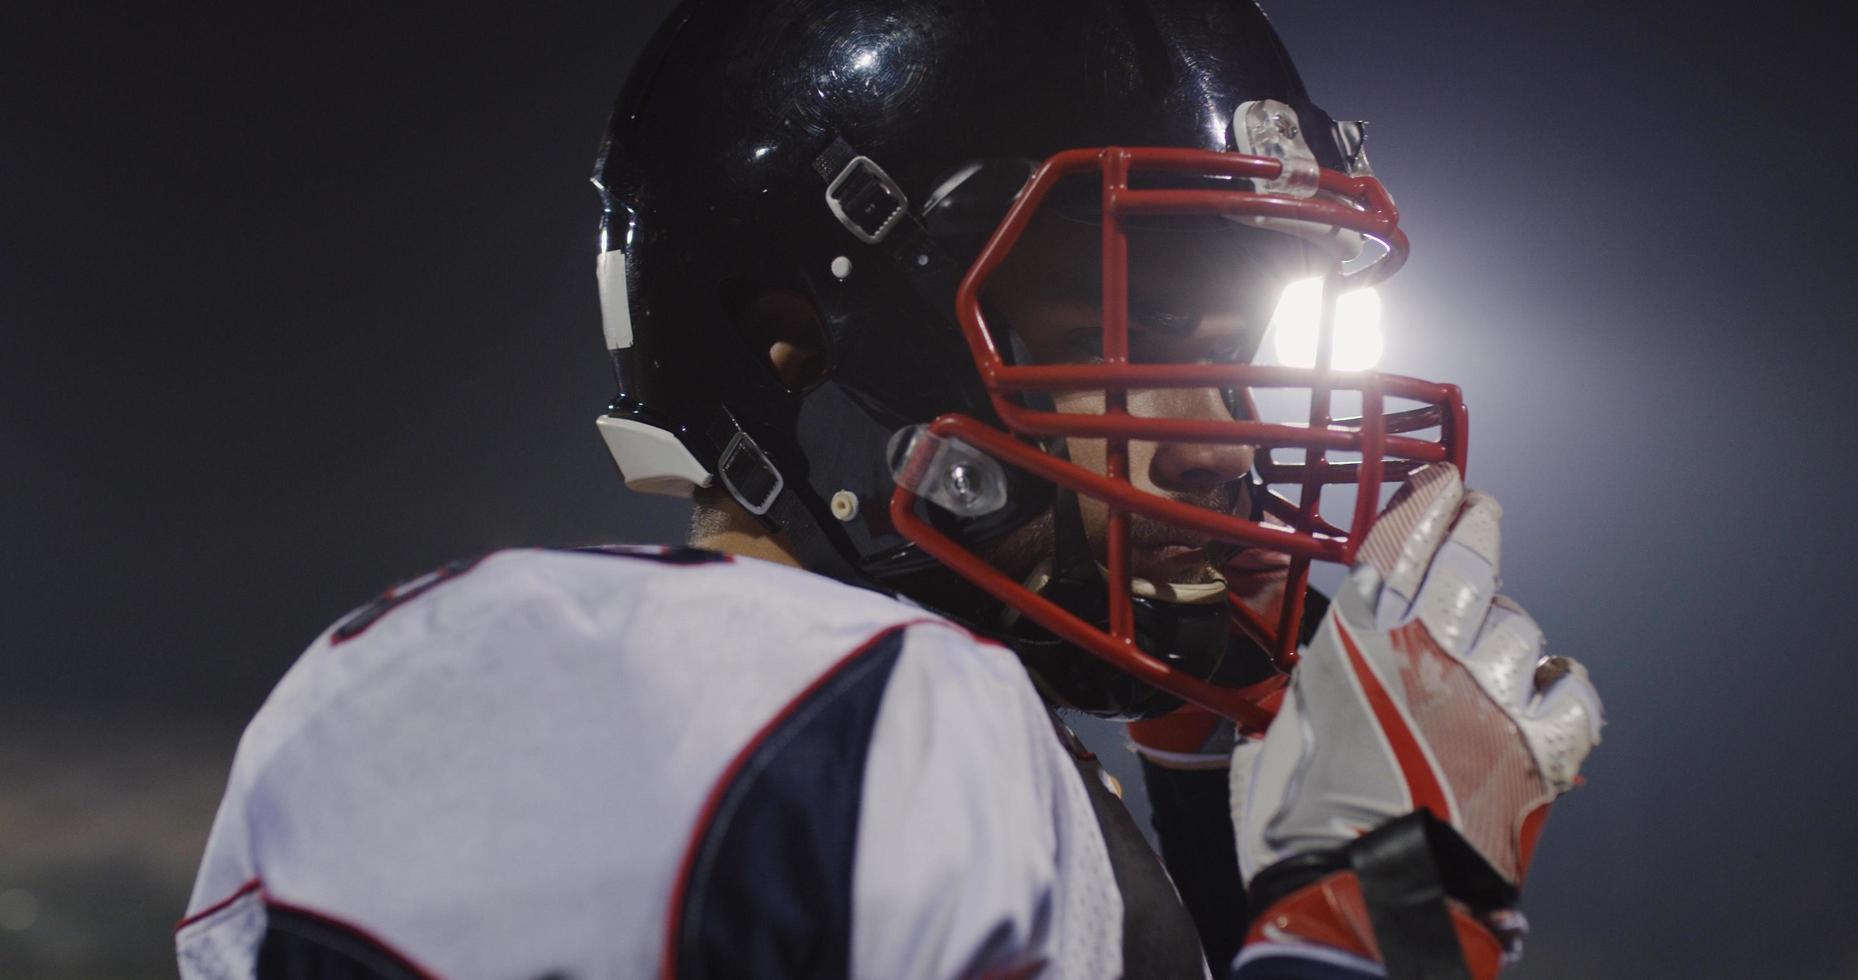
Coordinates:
(1357,203)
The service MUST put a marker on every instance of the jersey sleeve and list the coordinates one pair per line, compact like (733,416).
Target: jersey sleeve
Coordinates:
(225,921)
(978,852)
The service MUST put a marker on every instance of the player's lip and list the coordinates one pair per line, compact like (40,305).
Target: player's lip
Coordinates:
(1256,560)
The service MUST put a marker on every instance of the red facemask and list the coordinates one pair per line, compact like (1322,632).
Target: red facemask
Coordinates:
(1388,452)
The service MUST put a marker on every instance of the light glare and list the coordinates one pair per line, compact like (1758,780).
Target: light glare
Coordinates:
(1294,325)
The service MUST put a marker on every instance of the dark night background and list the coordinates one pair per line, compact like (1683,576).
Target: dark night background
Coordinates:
(299,302)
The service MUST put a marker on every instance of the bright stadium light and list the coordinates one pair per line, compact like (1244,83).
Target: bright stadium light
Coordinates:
(1294,325)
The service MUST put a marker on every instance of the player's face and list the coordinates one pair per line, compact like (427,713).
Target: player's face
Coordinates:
(1195,296)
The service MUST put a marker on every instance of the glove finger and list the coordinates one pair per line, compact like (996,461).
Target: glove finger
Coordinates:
(1563,722)
(1505,654)
(1462,581)
(1405,537)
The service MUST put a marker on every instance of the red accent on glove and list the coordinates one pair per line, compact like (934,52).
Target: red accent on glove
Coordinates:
(1332,913)
(1531,832)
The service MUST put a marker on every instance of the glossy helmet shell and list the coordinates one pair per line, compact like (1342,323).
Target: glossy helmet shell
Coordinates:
(714,173)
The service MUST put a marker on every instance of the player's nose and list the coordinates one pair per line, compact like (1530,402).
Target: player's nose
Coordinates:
(1198,467)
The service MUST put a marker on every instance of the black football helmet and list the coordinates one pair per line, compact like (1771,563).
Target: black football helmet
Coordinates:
(861,155)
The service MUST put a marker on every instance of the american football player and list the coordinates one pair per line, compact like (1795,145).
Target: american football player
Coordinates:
(946,315)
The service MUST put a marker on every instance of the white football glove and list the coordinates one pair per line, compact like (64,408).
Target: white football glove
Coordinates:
(1423,689)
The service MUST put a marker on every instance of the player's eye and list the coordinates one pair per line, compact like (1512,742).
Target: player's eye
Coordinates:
(1085,345)
(1228,354)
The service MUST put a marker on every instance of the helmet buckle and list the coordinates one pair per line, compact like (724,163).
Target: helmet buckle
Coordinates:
(749,475)
(866,201)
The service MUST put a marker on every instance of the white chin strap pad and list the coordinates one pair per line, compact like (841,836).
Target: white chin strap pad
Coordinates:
(652,460)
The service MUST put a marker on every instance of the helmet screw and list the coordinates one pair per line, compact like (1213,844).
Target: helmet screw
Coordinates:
(842,267)
(845,505)
(961,480)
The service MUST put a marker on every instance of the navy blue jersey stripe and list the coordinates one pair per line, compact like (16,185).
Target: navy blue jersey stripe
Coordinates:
(662,554)
(299,943)
(769,893)
(358,621)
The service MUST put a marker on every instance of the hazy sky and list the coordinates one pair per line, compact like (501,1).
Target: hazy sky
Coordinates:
(299,303)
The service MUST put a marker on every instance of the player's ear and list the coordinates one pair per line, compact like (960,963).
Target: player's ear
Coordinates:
(784,326)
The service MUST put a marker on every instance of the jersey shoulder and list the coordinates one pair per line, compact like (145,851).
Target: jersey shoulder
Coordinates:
(608,582)
(673,617)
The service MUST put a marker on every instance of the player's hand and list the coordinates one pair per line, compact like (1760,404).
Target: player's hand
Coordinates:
(1423,689)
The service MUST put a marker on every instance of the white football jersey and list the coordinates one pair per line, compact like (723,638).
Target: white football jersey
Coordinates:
(653,762)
